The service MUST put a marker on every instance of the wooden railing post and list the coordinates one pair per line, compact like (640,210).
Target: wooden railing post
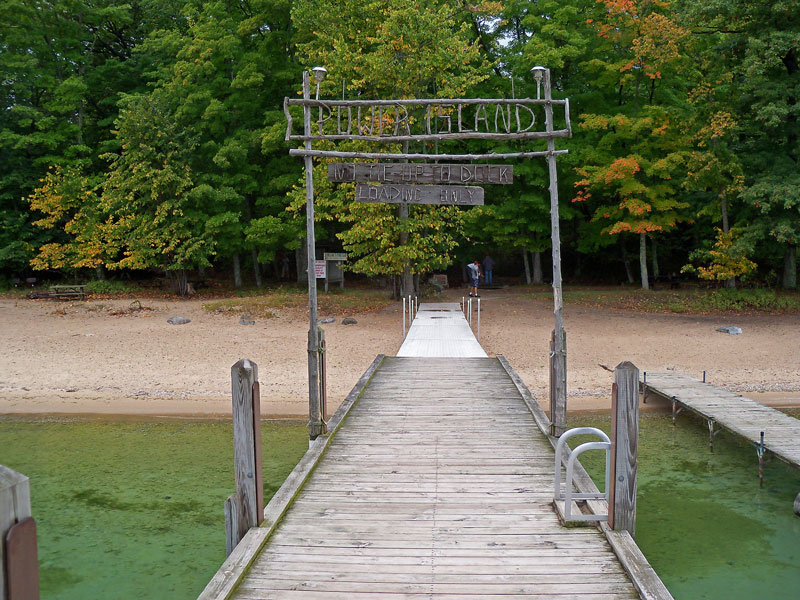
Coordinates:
(323,380)
(245,508)
(624,447)
(558,384)
(19,565)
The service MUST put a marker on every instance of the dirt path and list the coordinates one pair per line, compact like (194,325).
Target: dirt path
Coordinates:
(80,358)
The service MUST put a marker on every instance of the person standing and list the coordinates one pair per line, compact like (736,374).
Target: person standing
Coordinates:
(474,271)
(488,267)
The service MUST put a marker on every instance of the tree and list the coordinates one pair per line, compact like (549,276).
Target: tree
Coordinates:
(157,217)
(636,152)
(388,49)
(62,66)
(758,43)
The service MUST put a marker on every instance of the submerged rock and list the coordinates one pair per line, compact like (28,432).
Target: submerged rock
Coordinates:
(178,320)
(730,329)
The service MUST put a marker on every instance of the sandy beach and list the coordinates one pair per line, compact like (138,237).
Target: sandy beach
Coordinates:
(98,357)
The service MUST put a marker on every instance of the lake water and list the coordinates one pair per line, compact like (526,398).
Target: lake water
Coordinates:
(133,509)
(702,521)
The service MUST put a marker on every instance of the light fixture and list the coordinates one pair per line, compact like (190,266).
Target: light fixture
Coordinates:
(319,73)
(538,75)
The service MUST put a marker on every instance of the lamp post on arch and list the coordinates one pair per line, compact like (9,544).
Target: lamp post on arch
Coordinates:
(558,344)
(315,424)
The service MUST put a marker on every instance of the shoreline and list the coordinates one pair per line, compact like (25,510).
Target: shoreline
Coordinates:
(96,357)
(597,404)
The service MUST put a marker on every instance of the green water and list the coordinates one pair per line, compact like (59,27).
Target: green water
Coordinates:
(702,521)
(134,509)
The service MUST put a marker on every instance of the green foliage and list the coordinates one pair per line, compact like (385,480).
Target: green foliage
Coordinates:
(695,301)
(143,133)
(400,50)
(337,302)
(725,260)
(108,286)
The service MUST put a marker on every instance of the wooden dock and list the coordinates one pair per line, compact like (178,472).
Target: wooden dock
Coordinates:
(733,412)
(440,330)
(435,482)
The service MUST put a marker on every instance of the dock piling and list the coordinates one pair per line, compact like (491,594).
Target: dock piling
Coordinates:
(245,508)
(624,447)
(19,566)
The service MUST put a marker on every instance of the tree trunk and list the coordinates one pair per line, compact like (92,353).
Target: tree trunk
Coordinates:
(201,272)
(407,279)
(790,268)
(643,261)
(729,283)
(654,259)
(100,272)
(537,268)
(181,282)
(626,262)
(527,267)
(237,271)
(256,267)
(300,259)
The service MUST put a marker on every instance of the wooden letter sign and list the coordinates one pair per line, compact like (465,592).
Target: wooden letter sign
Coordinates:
(420,173)
(421,194)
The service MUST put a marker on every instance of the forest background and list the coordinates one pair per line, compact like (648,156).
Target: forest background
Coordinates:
(148,135)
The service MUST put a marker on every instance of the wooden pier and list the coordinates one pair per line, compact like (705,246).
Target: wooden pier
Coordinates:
(440,329)
(733,412)
(434,482)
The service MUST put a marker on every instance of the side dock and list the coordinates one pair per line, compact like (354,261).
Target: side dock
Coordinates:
(771,431)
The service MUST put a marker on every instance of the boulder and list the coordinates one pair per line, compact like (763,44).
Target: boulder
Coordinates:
(327,320)
(246,320)
(178,320)
(349,321)
(730,329)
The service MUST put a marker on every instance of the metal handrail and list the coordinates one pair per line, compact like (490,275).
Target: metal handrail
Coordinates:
(567,495)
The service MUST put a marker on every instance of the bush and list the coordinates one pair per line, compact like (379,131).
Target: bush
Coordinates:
(106,286)
(748,300)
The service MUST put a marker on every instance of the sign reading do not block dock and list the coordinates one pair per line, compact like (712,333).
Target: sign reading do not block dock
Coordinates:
(420,173)
(421,194)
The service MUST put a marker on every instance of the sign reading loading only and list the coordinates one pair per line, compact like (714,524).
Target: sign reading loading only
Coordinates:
(420,173)
(420,194)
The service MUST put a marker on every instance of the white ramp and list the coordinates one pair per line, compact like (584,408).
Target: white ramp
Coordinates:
(441,330)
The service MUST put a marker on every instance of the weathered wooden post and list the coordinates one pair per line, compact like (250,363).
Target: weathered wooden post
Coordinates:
(558,373)
(558,352)
(323,380)
(314,421)
(245,508)
(19,566)
(624,447)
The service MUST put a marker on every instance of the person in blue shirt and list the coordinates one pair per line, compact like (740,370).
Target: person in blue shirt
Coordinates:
(488,267)
(474,271)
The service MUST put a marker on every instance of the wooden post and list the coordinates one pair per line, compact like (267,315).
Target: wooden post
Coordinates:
(314,421)
(558,353)
(323,380)
(624,447)
(19,567)
(245,508)
(558,378)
